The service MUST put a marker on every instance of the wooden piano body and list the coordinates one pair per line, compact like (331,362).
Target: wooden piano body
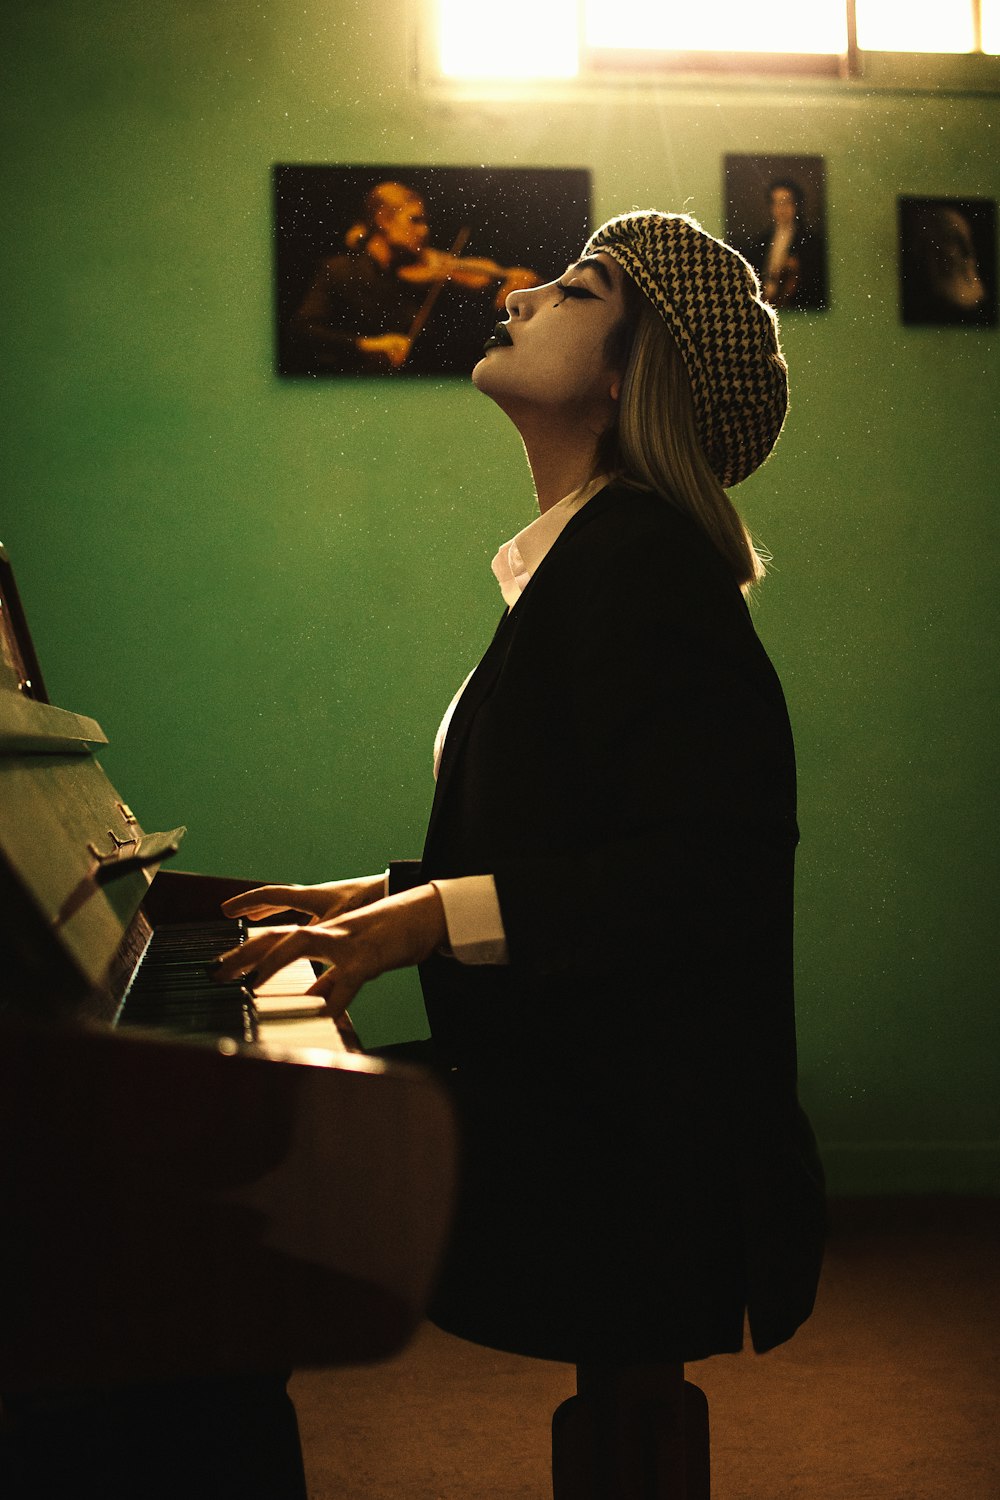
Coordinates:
(168,1206)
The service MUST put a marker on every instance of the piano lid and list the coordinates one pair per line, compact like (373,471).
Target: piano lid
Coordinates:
(28,721)
(17,649)
(75,863)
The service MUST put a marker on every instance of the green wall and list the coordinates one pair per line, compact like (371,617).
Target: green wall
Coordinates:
(266,592)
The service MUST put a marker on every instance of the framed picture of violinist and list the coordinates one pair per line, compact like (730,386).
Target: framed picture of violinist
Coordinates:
(399,271)
(776,215)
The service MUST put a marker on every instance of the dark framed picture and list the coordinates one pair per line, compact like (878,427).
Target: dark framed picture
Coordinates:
(776,216)
(396,271)
(947,261)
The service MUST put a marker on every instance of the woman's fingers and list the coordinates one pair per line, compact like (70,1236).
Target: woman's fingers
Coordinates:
(267,899)
(320,901)
(357,947)
(336,989)
(268,952)
(262,955)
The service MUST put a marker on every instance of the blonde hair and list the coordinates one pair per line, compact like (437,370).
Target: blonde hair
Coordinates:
(653,442)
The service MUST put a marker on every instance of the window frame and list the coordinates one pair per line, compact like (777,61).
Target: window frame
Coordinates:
(602,69)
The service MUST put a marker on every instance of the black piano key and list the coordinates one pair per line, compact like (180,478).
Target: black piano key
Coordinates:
(173,989)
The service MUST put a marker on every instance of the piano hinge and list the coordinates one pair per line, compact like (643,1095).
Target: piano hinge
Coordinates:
(119,845)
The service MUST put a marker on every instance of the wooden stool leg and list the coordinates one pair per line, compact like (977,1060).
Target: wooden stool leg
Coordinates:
(574,1452)
(663,1441)
(697,1443)
(635,1433)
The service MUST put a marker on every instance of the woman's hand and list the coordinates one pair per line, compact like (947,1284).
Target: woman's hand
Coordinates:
(321,901)
(356,946)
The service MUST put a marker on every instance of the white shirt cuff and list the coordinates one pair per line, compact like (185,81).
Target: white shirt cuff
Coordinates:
(472,917)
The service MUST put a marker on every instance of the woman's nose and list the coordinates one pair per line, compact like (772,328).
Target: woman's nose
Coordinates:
(521,303)
(514,303)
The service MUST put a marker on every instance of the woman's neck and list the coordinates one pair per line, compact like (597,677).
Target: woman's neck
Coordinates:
(558,467)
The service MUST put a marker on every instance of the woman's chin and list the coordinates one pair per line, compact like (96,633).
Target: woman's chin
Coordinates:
(482,374)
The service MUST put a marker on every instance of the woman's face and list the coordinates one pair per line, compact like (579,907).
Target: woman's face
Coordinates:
(550,350)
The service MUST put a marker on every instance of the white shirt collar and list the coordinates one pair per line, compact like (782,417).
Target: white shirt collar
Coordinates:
(517,560)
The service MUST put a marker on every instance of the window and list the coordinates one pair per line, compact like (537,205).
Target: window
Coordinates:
(711,25)
(571,38)
(891,26)
(523,39)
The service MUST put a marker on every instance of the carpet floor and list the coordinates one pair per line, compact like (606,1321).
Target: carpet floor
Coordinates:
(889,1392)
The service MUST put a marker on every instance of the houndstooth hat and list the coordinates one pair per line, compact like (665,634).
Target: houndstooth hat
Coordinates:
(709,298)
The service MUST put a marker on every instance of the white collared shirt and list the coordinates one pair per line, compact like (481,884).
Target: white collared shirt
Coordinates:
(471,907)
(519,559)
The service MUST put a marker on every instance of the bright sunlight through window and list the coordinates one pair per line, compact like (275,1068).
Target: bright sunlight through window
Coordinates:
(545,38)
(716,25)
(520,39)
(991,25)
(915,26)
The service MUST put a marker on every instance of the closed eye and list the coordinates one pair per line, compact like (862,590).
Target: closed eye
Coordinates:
(574,289)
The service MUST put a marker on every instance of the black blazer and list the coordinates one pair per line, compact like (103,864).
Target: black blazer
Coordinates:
(638,1171)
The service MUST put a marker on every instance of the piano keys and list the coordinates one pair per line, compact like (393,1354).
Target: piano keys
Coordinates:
(173,989)
(187,1189)
(173,986)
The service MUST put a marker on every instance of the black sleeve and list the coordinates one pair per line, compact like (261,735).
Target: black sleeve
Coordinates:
(404,875)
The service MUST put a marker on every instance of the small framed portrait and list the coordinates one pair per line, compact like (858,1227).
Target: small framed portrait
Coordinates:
(947,261)
(398,271)
(776,215)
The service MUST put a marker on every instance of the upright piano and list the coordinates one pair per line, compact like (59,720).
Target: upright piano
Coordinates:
(192,1181)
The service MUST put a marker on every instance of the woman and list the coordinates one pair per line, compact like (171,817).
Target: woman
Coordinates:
(603,910)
